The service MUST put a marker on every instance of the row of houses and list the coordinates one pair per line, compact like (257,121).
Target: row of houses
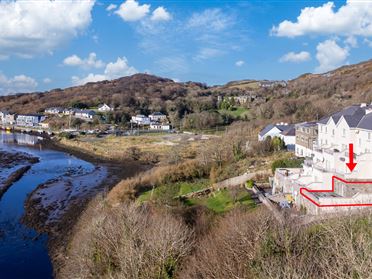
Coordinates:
(72,111)
(23,120)
(325,183)
(155,121)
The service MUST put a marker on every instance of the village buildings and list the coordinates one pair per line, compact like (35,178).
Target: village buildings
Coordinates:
(29,120)
(306,137)
(325,183)
(84,114)
(281,130)
(105,108)
(158,117)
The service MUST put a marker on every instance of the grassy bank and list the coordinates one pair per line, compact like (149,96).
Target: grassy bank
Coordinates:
(149,148)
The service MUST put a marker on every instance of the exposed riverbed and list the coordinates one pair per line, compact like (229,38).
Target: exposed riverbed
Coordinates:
(49,187)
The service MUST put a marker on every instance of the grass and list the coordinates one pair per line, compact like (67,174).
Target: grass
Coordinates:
(223,201)
(170,191)
(112,147)
(237,113)
(219,202)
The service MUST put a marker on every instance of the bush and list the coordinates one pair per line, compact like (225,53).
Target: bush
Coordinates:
(254,245)
(66,135)
(287,163)
(249,184)
(128,241)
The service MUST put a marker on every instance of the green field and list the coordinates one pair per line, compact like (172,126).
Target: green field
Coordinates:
(171,191)
(238,112)
(223,201)
(219,202)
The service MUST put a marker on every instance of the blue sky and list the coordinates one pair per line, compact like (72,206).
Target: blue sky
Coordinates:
(45,45)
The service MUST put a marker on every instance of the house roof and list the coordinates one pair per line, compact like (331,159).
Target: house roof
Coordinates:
(157,114)
(60,108)
(103,105)
(290,131)
(269,127)
(354,116)
(85,111)
(307,124)
(366,122)
(33,115)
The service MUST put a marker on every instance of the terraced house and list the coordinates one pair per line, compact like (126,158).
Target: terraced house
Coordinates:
(326,169)
(29,120)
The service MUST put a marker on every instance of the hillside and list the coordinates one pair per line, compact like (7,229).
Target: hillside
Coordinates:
(132,91)
(308,97)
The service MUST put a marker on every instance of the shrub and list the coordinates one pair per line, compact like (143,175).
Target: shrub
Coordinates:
(249,184)
(128,241)
(287,163)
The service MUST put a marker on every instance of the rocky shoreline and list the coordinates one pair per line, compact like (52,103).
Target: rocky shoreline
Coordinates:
(13,165)
(58,215)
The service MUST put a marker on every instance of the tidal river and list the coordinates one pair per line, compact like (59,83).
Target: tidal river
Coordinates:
(23,252)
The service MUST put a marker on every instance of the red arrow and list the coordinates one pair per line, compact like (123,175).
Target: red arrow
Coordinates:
(351,165)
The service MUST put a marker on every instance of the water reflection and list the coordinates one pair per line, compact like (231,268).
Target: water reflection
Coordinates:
(22,139)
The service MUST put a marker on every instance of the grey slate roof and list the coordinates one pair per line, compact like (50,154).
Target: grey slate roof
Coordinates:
(366,122)
(282,128)
(355,116)
(290,131)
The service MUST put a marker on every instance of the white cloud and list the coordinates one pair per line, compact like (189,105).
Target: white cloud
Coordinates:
(239,63)
(210,19)
(330,56)
(172,65)
(47,80)
(111,7)
(353,18)
(87,63)
(161,14)
(89,78)
(113,70)
(368,42)
(95,38)
(351,41)
(207,53)
(16,84)
(34,27)
(119,68)
(131,10)
(295,57)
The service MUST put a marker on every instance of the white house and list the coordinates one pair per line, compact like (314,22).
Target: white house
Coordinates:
(29,120)
(273,131)
(105,108)
(158,117)
(69,111)
(289,137)
(352,125)
(141,120)
(2,115)
(54,110)
(7,118)
(159,127)
(85,114)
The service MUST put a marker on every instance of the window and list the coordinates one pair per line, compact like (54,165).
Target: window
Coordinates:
(343,132)
(333,132)
(369,135)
